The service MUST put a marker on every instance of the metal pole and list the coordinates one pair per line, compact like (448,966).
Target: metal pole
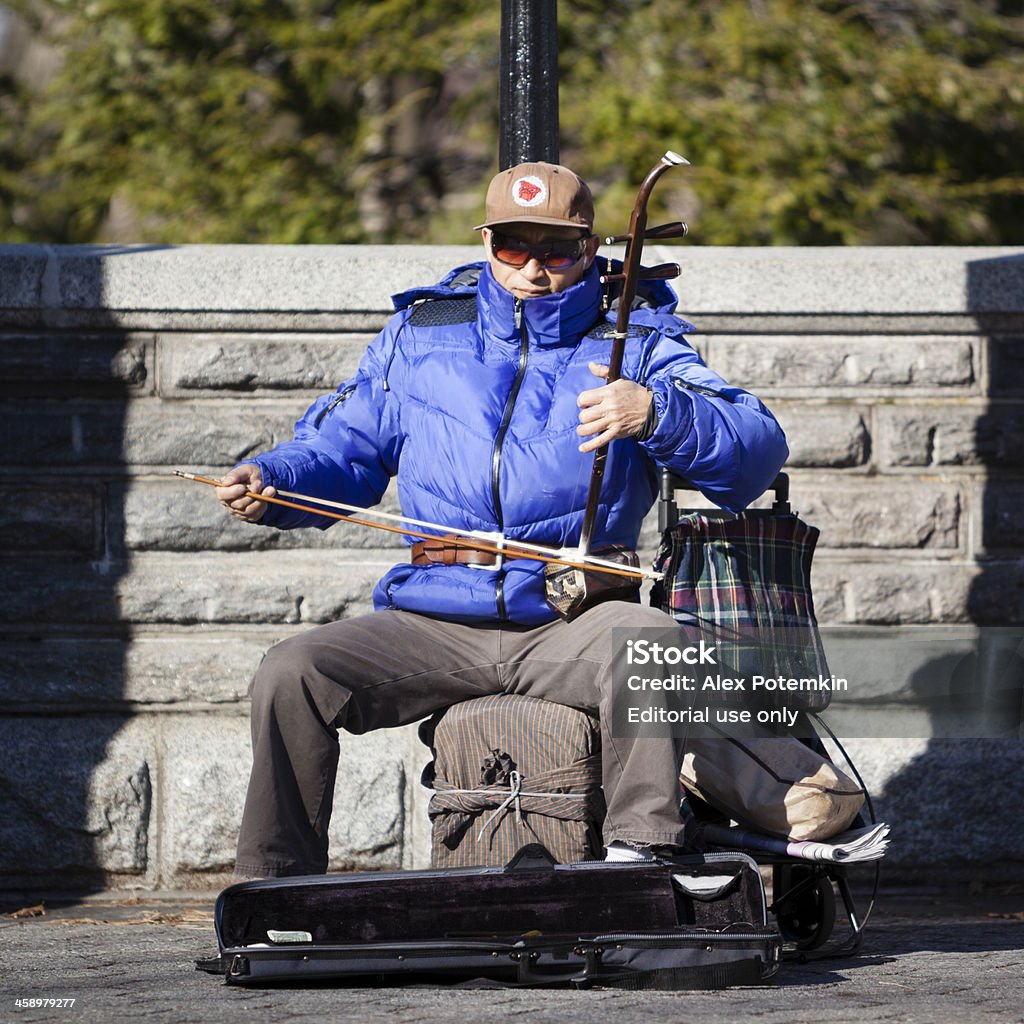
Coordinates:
(528,86)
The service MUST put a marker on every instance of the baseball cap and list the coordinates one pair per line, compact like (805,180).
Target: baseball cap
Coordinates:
(539,193)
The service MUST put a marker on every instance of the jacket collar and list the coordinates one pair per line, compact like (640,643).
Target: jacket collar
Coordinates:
(551,319)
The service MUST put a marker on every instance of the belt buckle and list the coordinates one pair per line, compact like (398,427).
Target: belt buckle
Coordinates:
(498,540)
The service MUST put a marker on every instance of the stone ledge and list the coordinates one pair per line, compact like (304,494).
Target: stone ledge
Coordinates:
(217,278)
(46,281)
(836,279)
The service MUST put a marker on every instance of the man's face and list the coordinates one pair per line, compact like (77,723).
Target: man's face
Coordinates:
(533,280)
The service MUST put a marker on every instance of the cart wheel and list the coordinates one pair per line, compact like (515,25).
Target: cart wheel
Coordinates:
(804,904)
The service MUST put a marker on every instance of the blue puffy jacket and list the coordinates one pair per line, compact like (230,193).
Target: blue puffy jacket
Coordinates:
(469,395)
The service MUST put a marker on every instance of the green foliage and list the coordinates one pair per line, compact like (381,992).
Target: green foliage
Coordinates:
(808,123)
(818,122)
(220,120)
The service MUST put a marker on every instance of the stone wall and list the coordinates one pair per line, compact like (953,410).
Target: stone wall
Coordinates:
(135,612)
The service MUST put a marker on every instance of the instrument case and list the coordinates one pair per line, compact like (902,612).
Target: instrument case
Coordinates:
(692,923)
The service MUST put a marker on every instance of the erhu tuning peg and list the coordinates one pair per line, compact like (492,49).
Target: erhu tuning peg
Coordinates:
(674,230)
(661,272)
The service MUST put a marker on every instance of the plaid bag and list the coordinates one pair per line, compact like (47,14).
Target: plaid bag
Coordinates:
(745,581)
(509,771)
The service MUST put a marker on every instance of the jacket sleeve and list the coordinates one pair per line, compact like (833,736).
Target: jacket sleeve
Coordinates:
(720,438)
(346,445)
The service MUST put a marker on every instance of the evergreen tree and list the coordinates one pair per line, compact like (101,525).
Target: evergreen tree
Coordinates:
(815,122)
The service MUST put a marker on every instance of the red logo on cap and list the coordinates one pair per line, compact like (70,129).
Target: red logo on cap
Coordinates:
(527,190)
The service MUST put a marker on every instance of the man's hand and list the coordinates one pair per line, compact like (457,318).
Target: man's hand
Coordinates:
(232,493)
(616,410)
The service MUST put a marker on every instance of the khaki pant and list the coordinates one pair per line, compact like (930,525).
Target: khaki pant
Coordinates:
(391,668)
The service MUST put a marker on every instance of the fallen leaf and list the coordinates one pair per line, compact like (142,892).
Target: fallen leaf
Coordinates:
(37,911)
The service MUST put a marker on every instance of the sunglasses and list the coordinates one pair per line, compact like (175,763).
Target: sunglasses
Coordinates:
(550,255)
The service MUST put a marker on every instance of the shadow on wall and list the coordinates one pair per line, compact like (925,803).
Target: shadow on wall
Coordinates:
(75,784)
(962,798)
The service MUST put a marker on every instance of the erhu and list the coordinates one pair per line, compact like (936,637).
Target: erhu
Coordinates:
(570,591)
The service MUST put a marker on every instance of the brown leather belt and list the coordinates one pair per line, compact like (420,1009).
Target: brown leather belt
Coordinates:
(452,549)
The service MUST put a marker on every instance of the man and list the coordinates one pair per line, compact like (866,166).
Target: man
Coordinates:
(483,395)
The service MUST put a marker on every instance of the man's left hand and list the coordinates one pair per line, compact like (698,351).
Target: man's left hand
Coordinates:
(616,410)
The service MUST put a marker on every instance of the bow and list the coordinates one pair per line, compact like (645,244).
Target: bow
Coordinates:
(493,543)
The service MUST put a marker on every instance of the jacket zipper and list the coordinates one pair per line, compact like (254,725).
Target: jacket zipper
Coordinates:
(685,385)
(333,404)
(499,439)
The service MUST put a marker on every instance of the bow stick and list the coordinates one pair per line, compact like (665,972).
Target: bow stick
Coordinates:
(481,541)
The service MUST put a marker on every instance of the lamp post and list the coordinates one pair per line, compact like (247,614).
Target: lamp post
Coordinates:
(528,82)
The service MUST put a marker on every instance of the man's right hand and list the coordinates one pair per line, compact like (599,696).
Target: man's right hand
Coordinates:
(232,492)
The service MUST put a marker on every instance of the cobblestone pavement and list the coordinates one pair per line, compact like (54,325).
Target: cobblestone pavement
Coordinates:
(927,958)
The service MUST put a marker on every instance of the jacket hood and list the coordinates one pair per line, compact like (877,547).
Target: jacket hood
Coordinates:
(460,281)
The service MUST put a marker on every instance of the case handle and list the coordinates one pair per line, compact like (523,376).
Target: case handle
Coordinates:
(532,857)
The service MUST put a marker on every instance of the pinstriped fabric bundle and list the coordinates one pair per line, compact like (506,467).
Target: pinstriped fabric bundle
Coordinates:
(512,770)
(745,583)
